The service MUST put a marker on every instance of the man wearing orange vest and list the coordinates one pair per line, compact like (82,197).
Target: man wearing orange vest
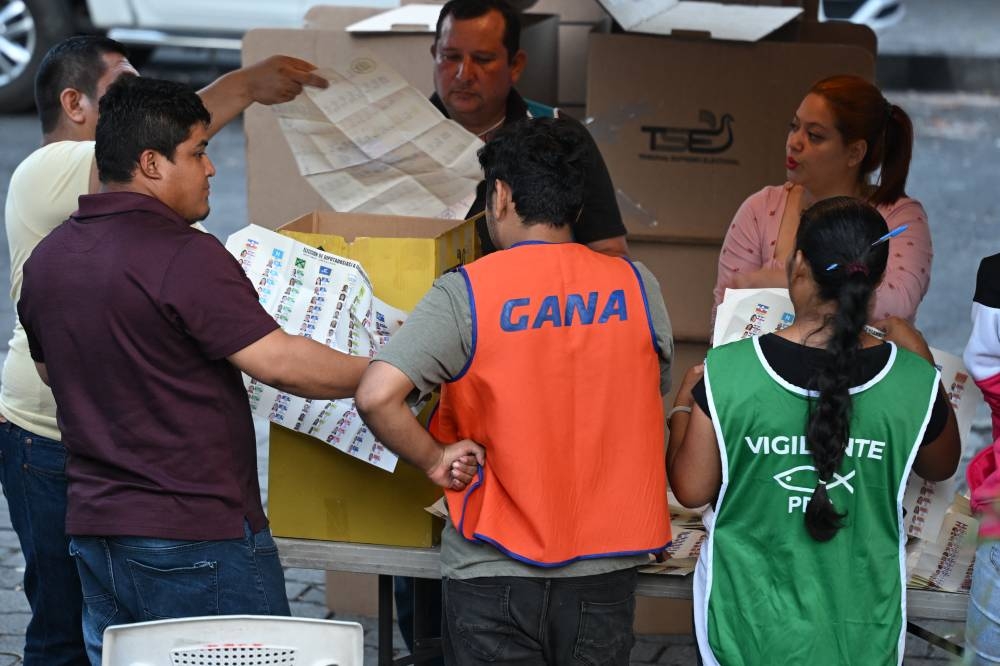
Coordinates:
(552,360)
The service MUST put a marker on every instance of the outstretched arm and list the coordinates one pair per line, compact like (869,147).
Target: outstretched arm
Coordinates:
(300,366)
(381,401)
(271,81)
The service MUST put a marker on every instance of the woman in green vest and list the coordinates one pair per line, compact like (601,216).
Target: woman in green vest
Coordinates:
(801,441)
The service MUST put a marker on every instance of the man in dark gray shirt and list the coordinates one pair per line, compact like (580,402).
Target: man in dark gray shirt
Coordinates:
(515,363)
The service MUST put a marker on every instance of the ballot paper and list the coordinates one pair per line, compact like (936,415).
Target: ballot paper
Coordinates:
(371,143)
(926,502)
(744,313)
(945,562)
(328,299)
(749,312)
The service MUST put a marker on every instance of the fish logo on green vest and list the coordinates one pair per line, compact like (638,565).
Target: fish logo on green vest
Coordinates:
(785,479)
(788,481)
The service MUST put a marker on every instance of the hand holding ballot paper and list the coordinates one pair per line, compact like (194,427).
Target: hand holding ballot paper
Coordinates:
(328,299)
(369,142)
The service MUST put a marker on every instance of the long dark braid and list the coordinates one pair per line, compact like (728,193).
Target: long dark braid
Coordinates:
(838,231)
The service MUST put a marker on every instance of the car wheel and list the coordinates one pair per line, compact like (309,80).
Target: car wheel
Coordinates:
(28,28)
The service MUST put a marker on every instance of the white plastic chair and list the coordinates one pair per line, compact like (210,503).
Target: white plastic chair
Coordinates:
(234,640)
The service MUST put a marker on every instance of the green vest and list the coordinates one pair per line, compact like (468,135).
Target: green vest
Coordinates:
(765,591)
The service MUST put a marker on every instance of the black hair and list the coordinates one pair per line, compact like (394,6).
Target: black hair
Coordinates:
(838,231)
(138,114)
(75,62)
(461,10)
(862,112)
(543,161)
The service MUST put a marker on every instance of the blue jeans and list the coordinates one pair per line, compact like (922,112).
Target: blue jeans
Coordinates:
(982,628)
(528,621)
(34,482)
(136,579)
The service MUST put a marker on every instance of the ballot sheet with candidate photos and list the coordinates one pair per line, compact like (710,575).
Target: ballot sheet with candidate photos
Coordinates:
(329,299)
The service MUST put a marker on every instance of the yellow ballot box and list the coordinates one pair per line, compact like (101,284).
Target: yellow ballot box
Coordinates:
(316,491)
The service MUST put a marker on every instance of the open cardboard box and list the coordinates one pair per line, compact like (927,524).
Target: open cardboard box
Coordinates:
(315,491)
(701,124)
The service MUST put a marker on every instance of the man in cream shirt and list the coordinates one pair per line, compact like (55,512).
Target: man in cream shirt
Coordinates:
(43,193)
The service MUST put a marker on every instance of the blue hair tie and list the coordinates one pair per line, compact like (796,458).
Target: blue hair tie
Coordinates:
(884,239)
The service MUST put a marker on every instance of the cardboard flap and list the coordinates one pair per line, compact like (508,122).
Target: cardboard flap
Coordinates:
(352,226)
(744,23)
(409,18)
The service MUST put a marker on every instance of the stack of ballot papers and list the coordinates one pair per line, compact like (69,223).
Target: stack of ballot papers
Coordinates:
(328,299)
(945,563)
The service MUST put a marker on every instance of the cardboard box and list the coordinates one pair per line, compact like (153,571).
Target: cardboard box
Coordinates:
(702,124)
(686,273)
(352,593)
(571,11)
(573,40)
(657,615)
(314,490)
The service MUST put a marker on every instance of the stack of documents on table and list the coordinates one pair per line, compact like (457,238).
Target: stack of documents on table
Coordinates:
(945,563)
(371,143)
(328,299)
(688,535)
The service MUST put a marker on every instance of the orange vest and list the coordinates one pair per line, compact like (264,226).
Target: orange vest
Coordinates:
(562,389)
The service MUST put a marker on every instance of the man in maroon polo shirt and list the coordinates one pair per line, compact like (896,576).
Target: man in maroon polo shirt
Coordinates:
(141,326)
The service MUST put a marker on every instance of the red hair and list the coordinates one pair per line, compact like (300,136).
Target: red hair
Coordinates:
(861,112)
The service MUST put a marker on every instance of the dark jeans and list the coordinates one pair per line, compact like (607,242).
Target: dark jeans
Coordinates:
(136,579)
(585,620)
(34,482)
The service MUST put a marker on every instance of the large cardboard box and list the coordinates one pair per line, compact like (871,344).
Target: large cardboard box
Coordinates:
(315,491)
(686,354)
(275,190)
(702,123)
(573,41)
(686,272)
(571,11)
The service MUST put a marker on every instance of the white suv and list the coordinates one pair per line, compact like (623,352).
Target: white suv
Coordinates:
(28,28)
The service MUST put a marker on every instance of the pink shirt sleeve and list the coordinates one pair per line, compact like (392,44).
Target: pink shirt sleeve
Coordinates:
(749,243)
(908,274)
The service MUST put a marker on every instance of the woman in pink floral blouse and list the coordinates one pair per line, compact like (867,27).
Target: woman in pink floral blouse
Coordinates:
(845,139)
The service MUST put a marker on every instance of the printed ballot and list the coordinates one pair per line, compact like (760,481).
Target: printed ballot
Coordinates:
(747,312)
(328,299)
(945,563)
(371,143)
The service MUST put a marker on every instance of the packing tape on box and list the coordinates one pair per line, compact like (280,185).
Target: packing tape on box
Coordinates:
(605,130)
(630,208)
